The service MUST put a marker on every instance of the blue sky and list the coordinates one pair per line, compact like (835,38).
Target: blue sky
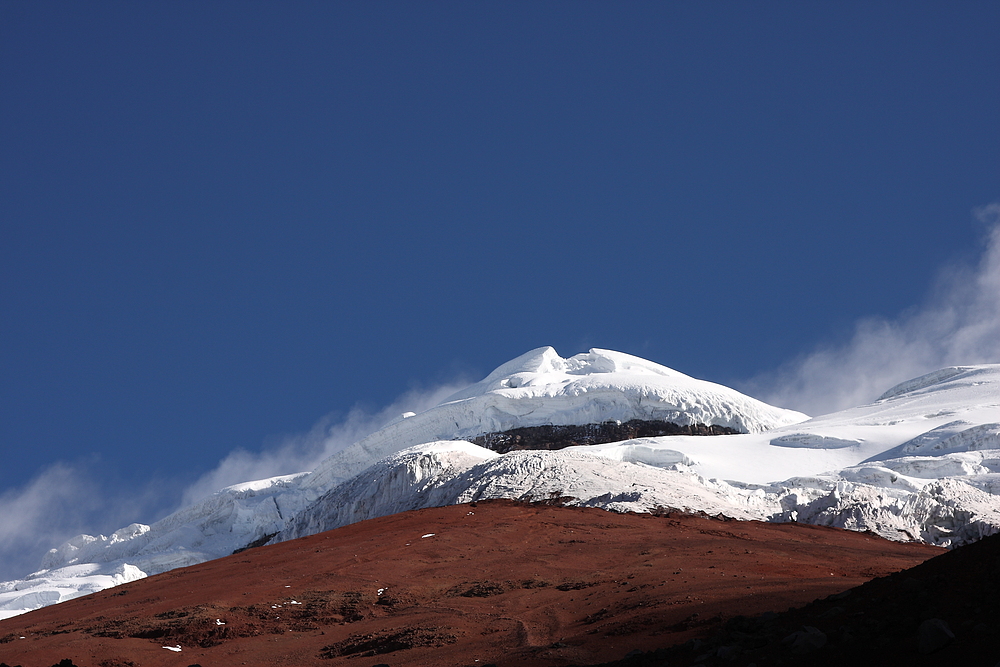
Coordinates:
(221,223)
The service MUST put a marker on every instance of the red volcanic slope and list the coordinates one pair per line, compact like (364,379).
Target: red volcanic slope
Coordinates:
(496,582)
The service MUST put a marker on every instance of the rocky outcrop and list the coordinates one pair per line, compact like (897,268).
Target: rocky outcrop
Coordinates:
(553,437)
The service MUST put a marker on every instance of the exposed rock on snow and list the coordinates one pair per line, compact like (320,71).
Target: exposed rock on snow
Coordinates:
(560,437)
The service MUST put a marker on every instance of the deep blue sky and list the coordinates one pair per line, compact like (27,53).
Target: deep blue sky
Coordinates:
(221,221)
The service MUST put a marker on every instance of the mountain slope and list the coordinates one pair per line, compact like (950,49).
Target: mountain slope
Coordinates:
(919,463)
(537,388)
(499,582)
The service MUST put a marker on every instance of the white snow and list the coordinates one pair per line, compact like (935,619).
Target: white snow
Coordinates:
(921,462)
(50,586)
(540,388)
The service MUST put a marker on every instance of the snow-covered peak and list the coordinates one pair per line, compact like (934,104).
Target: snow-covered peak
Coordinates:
(541,388)
(543,367)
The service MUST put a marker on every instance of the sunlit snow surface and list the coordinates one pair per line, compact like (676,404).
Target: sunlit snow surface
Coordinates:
(540,388)
(922,462)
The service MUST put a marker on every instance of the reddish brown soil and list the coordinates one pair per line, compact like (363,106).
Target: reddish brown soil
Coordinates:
(497,583)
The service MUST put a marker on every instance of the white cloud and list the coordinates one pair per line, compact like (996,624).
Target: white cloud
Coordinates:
(44,513)
(300,453)
(959,324)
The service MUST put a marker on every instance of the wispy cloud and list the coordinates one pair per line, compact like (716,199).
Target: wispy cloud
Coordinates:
(958,324)
(42,514)
(67,499)
(303,452)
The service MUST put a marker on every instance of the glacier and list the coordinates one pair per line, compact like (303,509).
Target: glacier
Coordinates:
(922,462)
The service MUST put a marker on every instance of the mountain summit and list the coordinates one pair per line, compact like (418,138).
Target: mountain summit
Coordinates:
(541,388)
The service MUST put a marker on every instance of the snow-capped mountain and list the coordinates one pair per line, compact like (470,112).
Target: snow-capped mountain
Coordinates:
(921,462)
(540,387)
